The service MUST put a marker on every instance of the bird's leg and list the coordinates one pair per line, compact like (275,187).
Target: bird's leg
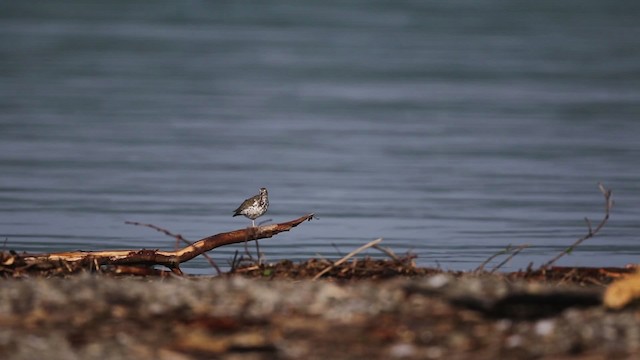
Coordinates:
(258,252)
(253,223)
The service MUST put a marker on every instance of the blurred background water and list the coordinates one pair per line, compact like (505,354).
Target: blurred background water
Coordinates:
(450,129)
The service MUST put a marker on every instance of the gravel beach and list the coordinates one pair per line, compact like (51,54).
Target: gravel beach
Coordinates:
(233,317)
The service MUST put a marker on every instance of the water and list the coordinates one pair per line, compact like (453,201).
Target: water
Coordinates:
(450,129)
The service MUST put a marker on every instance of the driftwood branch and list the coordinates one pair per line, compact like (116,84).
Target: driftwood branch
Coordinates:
(77,260)
(179,238)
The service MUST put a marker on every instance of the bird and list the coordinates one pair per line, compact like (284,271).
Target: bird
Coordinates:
(254,207)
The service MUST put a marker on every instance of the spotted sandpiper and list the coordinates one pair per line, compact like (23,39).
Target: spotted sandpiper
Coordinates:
(254,207)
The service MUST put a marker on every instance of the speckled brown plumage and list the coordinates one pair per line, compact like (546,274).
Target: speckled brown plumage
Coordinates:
(254,207)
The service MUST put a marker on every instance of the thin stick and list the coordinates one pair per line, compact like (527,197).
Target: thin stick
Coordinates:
(337,249)
(178,238)
(349,255)
(247,269)
(387,251)
(608,204)
(233,262)
(515,252)
(154,227)
(488,260)
(586,219)
(69,269)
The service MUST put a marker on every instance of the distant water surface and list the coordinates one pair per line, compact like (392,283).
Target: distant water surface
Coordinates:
(449,129)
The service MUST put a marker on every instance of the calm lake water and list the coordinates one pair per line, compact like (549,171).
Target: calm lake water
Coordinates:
(450,129)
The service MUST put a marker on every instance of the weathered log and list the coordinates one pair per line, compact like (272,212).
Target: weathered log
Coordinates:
(68,262)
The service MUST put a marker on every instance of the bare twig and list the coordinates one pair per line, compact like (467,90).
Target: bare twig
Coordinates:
(247,269)
(234,263)
(337,249)
(96,266)
(488,260)
(586,219)
(515,252)
(178,238)
(347,257)
(157,228)
(608,204)
(387,251)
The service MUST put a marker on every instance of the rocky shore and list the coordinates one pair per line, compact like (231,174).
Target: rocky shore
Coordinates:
(433,316)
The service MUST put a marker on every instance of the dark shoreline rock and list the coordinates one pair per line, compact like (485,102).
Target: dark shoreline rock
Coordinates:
(434,317)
